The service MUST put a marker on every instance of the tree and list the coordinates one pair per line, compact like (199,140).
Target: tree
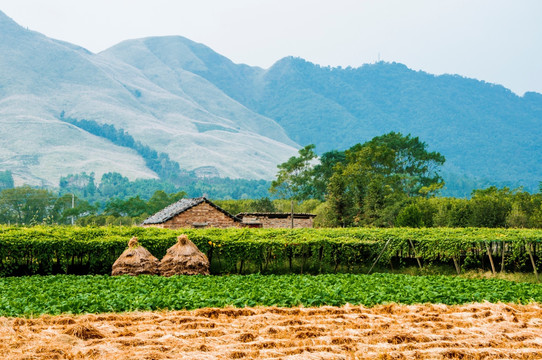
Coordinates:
(113,184)
(517,218)
(63,211)
(263,205)
(416,169)
(323,171)
(489,207)
(380,173)
(294,177)
(79,184)
(339,199)
(410,216)
(132,207)
(26,206)
(160,199)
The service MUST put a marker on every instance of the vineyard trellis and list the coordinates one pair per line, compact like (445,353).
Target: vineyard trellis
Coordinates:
(92,250)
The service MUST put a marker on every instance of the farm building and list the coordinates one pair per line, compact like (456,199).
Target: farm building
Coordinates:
(192,213)
(277,220)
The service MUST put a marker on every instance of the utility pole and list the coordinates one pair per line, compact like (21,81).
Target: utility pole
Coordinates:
(73,205)
(292,214)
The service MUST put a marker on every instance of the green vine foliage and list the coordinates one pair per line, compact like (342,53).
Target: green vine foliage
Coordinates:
(92,250)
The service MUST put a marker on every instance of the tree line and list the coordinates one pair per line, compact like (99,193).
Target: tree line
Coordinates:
(158,162)
(393,180)
(114,185)
(25,205)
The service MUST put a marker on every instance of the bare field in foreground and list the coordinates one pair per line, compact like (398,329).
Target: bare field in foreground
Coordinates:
(474,331)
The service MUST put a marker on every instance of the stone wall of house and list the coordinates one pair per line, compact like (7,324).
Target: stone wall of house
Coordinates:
(197,216)
(285,222)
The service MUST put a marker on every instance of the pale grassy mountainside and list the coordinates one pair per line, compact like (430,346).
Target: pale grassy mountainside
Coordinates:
(182,98)
(34,145)
(488,134)
(172,111)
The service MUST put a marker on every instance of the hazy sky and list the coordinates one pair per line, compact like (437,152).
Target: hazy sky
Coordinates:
(493,40)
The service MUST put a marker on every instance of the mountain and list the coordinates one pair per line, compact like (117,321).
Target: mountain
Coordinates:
(485,131)
(167,109)
(488,134)
(216,117)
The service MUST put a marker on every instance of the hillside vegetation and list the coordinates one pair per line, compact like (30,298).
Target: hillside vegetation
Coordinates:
(488,134)
(204,112)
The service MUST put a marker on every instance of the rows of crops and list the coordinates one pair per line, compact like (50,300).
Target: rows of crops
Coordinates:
(67,250)
(27,296)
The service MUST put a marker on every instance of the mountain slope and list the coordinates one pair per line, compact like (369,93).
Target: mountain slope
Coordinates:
(182,98)
(34,145)
(175,112)
(484,130)
(487,133)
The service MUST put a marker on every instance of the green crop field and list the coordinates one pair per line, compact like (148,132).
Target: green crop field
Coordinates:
(34,295)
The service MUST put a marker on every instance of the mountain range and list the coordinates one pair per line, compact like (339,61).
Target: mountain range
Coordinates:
(232,120)
(167,108)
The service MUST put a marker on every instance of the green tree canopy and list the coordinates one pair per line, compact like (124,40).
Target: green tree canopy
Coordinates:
(324,170)
(406,160)
(26,206)
(379,174)
(294,178)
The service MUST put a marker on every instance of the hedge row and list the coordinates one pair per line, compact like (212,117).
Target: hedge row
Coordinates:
(92,250)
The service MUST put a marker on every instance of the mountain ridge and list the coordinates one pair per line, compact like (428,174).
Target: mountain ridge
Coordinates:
(182,98)
(451,113)
(41,78)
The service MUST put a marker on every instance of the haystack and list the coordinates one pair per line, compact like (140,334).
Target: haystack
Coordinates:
(184,258)
(136,260)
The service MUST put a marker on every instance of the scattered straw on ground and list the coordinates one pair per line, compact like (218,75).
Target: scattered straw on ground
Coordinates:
(477,331)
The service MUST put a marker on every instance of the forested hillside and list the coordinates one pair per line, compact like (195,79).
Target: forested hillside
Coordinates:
(199,109)
(488,134)
(485,131)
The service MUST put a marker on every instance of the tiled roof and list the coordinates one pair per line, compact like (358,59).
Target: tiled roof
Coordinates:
(179,207)
(276,215)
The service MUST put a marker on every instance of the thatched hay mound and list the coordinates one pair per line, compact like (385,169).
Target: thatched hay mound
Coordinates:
(136,260)
(84,332)
(184,258)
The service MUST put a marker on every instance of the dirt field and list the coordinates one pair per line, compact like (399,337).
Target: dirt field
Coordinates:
(480,331)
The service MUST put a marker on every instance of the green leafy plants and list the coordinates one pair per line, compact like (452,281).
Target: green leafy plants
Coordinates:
(34,295)
(92,250)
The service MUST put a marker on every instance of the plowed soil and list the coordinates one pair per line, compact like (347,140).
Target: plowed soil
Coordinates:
(477,331)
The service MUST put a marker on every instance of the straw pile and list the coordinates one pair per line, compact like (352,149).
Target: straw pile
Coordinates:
(84,331)
(401,332)
(136,260)
(184,258)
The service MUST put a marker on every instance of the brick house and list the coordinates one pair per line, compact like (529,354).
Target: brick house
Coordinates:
(192,213)
(276,220)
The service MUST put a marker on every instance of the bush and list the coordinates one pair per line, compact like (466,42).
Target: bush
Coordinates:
(410,216)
